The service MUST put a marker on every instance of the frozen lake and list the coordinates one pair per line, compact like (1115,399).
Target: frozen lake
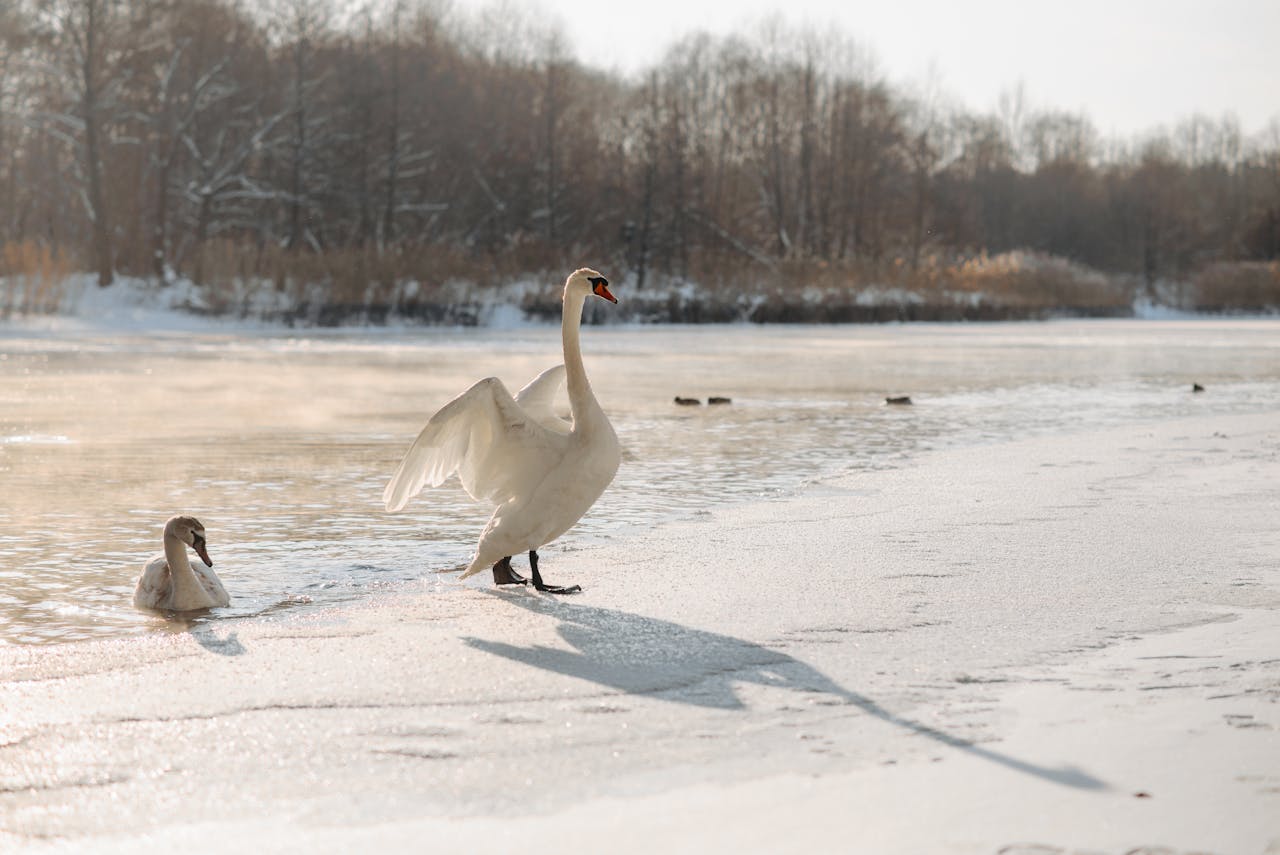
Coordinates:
(281,444)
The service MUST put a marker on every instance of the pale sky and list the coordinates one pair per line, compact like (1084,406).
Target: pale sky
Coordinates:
(1130,65)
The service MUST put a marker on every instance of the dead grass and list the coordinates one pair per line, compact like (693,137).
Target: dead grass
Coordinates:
(1241,286)
(354,286)
(938,288)
(32,276)
(350,285)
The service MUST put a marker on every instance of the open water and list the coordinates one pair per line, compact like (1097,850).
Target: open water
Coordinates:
(281,443)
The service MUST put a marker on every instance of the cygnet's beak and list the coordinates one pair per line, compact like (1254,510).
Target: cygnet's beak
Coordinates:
(600,287)
(198,544)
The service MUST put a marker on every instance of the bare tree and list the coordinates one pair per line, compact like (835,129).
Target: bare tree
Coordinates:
(86,38)
(14,38)
(303,26)
(926,151)
(403,136)
(395,141)
(178,106)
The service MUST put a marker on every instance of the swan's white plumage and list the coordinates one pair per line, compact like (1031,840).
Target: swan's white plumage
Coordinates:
(169,582)
(541,471)
(538,399)
(497,448)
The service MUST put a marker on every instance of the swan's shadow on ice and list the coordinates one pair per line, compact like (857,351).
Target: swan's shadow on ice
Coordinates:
(646,656)
(209,640)
(200,626)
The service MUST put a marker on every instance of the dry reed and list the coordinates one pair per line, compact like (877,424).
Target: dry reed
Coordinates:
(32,278)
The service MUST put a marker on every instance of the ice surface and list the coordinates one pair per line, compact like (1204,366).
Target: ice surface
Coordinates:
(987,647)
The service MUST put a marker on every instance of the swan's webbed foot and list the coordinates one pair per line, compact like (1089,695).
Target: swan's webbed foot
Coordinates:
(503,574)
(543,586)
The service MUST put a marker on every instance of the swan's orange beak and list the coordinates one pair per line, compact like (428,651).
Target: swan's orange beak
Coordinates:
(600,287)
(198,545)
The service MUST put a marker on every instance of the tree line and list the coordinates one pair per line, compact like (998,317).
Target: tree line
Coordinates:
(299,139)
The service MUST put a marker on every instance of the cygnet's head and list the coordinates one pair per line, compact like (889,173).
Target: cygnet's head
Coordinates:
(190,531)
(587,280)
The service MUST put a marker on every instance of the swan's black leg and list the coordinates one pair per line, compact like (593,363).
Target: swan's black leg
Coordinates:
(503,574)
(542,586)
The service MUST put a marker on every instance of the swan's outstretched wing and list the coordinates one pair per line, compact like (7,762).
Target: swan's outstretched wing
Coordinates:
(539,397)
(498,450)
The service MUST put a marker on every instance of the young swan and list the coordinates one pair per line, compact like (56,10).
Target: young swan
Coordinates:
(170,583)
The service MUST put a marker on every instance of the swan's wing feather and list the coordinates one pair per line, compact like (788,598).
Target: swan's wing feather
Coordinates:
(211,583)
(154,583)
(539,396)
(498,450)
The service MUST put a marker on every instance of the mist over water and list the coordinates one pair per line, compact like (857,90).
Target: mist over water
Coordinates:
(281,444)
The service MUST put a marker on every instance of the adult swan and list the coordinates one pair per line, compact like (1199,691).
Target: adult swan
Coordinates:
(542,472)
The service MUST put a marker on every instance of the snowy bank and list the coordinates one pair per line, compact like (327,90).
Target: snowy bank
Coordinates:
(128,305)
(1055,645)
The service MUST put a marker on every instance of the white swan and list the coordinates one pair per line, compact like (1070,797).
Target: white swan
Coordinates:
(541,471)
(170,583)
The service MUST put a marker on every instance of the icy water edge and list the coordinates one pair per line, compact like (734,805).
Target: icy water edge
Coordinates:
(282,443)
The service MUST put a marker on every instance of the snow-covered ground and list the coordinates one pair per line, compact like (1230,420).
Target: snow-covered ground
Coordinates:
(133,304)
(1053,645)
(130,304)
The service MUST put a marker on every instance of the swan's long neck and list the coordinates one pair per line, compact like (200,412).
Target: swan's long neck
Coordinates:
(186,586)
(581,400)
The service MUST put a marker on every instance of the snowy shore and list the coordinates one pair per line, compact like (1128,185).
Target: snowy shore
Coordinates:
(1065,644)
(136,304)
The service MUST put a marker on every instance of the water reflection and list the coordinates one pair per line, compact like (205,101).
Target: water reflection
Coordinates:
(281,444)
